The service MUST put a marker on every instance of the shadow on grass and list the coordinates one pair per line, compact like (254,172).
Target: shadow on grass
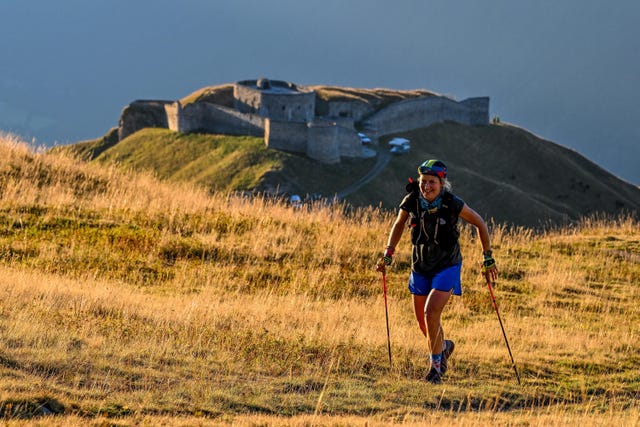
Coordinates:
(30,408)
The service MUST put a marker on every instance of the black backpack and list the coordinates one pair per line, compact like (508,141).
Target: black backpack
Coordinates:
(439,227)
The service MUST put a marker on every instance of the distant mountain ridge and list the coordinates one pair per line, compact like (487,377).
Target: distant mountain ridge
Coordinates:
(502,171)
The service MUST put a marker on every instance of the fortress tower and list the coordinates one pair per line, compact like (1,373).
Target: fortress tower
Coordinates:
(289,118)
(274,99)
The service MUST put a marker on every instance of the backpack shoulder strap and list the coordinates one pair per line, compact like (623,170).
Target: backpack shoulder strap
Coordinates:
(445,209)
(447,198)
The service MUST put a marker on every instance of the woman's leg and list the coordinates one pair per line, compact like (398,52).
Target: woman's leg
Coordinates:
(419,303)
(434,305)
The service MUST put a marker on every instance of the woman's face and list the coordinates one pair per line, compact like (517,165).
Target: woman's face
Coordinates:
(430,187)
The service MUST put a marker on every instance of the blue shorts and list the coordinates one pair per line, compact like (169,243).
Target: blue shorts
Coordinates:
(444,280)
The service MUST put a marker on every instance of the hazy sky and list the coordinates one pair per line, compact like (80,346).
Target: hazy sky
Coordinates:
(567,70)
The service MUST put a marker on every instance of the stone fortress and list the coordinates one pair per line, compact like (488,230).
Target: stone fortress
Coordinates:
(293,118)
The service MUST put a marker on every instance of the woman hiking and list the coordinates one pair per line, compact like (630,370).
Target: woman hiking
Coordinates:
(431,212)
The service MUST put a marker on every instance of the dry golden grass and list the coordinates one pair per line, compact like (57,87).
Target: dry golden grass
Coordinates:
(130,302)
(221,94)
(378,96)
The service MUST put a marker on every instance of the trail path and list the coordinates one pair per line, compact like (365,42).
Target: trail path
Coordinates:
(383,159)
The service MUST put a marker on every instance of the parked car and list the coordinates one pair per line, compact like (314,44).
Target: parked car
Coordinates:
(364,139)
(400,149)
(399,145)
(296,201)
(399,141)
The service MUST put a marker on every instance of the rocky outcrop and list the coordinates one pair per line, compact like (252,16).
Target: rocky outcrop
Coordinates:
(142,114)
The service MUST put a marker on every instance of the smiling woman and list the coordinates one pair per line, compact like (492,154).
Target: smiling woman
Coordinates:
(431,212)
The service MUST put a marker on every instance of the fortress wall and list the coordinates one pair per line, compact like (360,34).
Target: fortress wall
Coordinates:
(173,112)
(291,106)
(282,101)
(409,115)
(344,122)
(246,99)
(323,142)
(422,112)
(355,110)
(212,118)
(479,110)
(286,136)
(142,114)
(348,142)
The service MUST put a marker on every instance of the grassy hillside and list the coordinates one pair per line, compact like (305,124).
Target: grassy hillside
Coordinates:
(127,301)
(89,150)
(508,174)
(217,162)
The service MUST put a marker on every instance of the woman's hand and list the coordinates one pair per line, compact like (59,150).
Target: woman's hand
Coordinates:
(385,260)
(489,269)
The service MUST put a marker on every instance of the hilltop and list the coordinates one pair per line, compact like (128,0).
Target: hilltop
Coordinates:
(504,172)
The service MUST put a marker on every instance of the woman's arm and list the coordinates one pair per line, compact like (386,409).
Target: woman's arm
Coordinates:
(473,218)
(397,228)
(394,237)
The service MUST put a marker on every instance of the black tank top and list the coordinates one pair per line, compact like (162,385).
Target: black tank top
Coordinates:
(434,234)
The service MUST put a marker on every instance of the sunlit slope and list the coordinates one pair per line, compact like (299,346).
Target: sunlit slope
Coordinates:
(220,162)
(217,162)
(124,296)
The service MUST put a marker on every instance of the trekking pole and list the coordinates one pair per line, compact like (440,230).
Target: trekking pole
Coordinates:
(386,313)
(495,306)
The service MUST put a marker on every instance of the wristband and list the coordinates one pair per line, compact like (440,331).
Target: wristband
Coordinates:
(488,264)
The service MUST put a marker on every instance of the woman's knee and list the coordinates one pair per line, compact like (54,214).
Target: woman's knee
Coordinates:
(435,304)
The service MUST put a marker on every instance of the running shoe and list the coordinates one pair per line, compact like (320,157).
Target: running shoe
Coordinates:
(434,376)
(447,349)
